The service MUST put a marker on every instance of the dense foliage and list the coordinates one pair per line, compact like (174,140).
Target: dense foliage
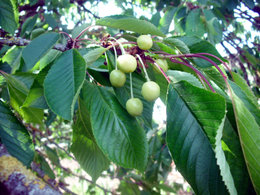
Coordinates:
(87,94)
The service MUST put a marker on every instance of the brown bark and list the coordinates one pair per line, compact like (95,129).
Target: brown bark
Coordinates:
(16,179)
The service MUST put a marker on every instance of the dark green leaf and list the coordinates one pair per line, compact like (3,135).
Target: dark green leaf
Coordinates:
(93,55)
(117,133)
(209,110)
(194,26)
(39,46)
(63,83)
(215,76)
(205,47)
(35,99)
(48,58)
(49,19)
(89,156)
(129,188)
(166,48)
(243,85)
(190,147)
(234,155)
(19,86)
(8,15)
(213,27)
(123,94)
(15,136)
(130,24)
(249,135)
(253,108)
(177,76)
(155,20)
(13,57)
(167,19)
(84,147)
(178,44)
(44,166)
(52,155)
(28,24)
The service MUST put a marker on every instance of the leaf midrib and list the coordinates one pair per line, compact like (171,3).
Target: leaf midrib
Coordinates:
(119,121)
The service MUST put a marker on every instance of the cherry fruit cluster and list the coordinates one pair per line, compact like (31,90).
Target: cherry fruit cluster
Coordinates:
(127,63)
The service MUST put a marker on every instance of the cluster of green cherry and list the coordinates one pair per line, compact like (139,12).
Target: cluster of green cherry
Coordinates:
(127,63)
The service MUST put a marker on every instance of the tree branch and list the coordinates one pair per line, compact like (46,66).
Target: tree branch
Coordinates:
(23,42)
(15,178)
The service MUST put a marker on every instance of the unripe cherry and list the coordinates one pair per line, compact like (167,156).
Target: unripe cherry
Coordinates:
(117,78)
(134,106)
(150,90)
(144,42)
(163,64)
(126,63)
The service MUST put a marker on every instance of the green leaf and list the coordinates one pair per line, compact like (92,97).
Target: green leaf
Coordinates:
(76,31)
(213,27)
(205,47)
(156,19)
(194,26)
(48,58)
(130,24)
(35,99)
(84,146)
(249,135)
(129,188)
(43,165)
(63,83)
(19,86)
(209,109)
(15,136)
(89,156)
(189,145)
(234,155)
(93,55)
(165,48)
(52,155)
(177,76)
(28,24)
(13,57)
(8,15)
(117,133)
(167,19)
(244,87)
(215,76)
(253,108)
(178,44)
(37,48)
(123,94)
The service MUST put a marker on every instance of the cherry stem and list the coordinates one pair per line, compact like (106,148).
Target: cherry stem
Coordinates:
(106,57)
(120,45)
(195,70)
(164,74)
(225,64)
(131,86)
(200,78)
(213,63)
(66,35)
(82,32)
(115,54)
(145,72)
